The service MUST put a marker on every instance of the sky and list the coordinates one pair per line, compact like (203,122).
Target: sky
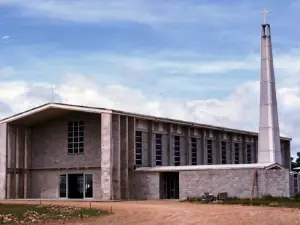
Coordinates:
(195,60)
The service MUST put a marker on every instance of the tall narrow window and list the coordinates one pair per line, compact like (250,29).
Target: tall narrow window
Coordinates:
(194,151)
(158,149)
(63,186)
(75,137)
(223,152)
(236,153)
(176,150)
(248,153)
(209,151)
(138,148)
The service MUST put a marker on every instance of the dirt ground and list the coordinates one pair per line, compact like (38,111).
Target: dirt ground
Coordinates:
(173,212)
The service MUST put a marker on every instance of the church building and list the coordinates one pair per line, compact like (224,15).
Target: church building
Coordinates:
(61,151)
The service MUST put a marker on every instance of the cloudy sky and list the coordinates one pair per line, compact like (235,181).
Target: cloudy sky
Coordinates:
(196,60)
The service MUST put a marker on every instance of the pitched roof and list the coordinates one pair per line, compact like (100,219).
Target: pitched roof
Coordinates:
(63,106)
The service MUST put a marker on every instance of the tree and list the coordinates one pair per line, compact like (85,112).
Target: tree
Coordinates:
(293,164)
(297,161)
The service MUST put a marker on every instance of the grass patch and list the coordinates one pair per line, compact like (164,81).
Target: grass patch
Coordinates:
(264,201)
(29,214)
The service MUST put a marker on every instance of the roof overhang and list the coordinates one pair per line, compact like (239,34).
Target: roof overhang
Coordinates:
(210,167)
(48,111)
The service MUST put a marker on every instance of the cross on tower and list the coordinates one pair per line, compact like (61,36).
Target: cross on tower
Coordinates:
(265,13)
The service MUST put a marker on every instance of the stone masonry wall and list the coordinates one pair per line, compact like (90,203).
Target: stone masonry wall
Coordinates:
(144,186)
(50,143)
(237,182)
(46,183)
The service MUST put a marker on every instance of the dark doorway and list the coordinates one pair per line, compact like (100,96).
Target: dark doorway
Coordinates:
(75,187)
(169,185)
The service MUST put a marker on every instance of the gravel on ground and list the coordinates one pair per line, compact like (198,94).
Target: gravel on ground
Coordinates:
(178,213)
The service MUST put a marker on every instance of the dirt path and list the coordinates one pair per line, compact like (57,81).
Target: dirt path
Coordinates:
(171,212)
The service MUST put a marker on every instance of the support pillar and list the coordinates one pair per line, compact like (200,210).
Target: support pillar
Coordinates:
(131,155)
(116,178)
(170,145)
(3,162)
(203,148)
(188,147)
(106,156)
(27,162)
(217,153)
(124,157)
(150,144)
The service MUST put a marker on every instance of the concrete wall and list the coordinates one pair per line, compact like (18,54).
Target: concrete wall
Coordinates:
(3,146)
(45,184)
(50,143)
(237,182)
(169,130)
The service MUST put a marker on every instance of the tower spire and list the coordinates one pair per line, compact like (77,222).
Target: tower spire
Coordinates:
(269,150)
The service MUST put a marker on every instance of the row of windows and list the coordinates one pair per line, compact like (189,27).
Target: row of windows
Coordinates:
(194,152)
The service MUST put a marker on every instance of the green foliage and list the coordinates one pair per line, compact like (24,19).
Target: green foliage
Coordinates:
(17,213)
(267,200)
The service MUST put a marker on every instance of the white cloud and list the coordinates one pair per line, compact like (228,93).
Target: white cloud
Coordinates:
(6,71)
(238,110)
(5,37)
(148,12)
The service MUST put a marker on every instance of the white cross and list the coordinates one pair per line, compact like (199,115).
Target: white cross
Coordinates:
(265,12)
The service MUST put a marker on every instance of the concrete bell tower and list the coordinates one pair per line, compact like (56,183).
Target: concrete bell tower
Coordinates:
(269,150)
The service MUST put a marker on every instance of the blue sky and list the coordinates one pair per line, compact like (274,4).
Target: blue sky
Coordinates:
(193,60)
(97,37)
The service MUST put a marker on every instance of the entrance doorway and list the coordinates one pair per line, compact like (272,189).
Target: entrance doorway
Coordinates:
(76,186)
(169,185)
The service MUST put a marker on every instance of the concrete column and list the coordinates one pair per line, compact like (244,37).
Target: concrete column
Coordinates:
(124,157)
(150,144)
(131,155)
(242,150)
(255,150)
(17,162)
(106,156)
(3,162)
(229,148)
(217,152)
(27,162)
(199,151)
(204,152)
(187,146)
(20,161)
(116,178)
(170,146)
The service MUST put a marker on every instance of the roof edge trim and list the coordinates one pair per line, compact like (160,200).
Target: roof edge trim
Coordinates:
(56,106)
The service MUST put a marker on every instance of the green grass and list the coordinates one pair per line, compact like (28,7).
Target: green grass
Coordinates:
(40,213)
(264,201)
